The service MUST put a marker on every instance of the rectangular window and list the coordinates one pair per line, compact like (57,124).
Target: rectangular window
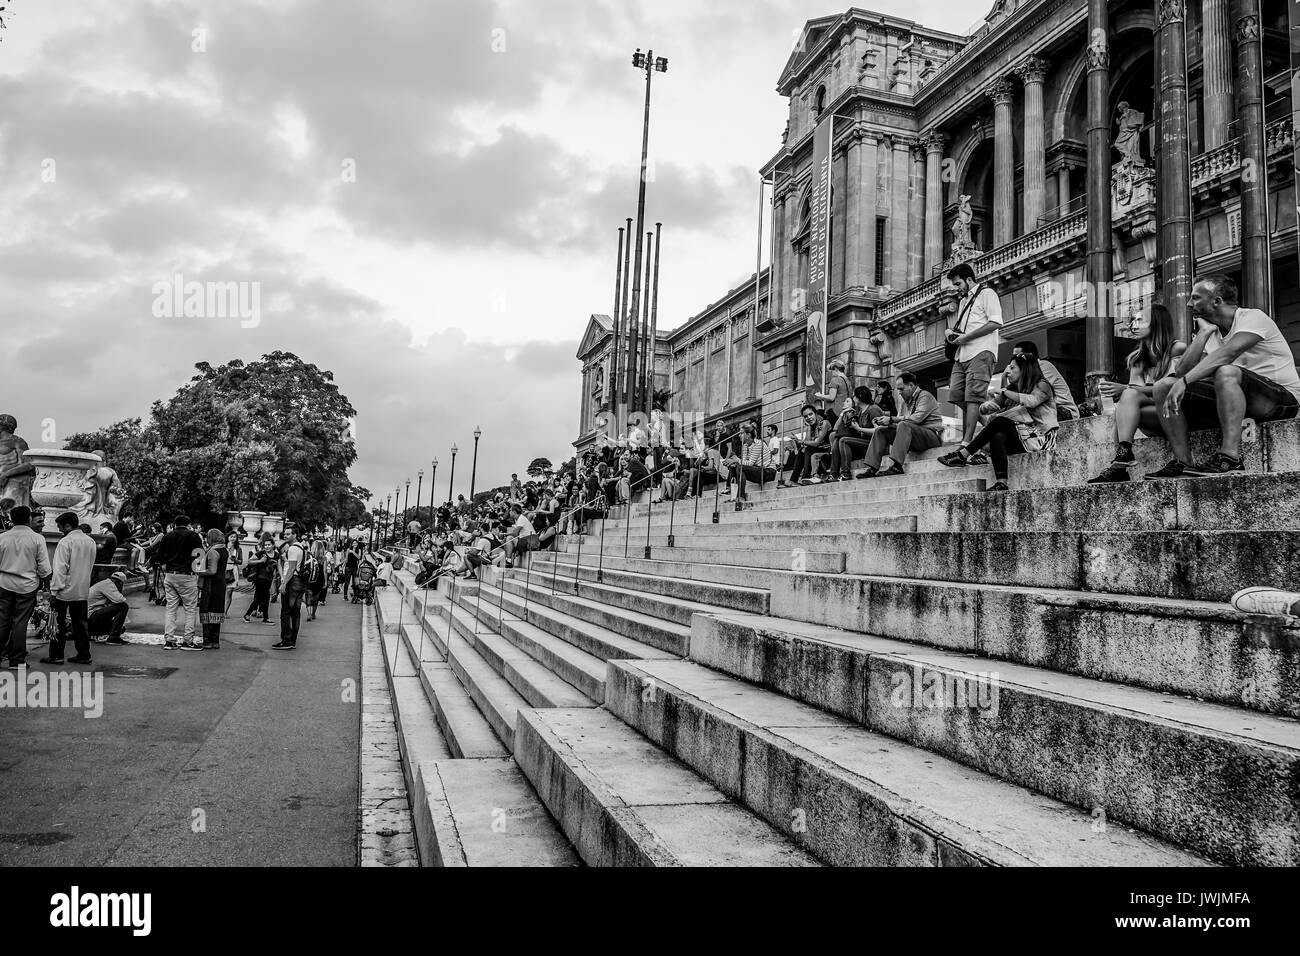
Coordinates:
(882,230)
(795,370)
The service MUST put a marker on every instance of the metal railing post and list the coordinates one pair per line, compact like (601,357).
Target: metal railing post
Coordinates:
(672,515)
(649,512)
(600,558)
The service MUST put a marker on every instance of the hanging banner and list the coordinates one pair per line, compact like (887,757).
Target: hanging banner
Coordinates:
(1293,21)
(819,253)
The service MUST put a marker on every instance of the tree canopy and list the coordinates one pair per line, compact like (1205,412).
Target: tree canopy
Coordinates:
(538,467)
(271,435)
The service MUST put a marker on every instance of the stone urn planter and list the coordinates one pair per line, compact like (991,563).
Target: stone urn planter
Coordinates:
(273,523)
(234,521)
(60,482)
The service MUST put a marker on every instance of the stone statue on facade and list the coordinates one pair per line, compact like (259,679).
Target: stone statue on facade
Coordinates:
(102,493)
(1128,141)
(16,472)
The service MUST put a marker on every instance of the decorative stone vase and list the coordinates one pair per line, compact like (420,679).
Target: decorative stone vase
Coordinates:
(273,523)
(59,485)
(251,521)
(234,521)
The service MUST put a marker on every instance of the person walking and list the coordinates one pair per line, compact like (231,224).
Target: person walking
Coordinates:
(351,562)
(24,564)
(260,569)
(180,553)
(234,564)
(317,578)
(292,586)
(212,597)
(74,561)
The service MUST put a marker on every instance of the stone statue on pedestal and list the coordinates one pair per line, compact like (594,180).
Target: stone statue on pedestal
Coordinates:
(1128,141)
(16,472)
(103,493)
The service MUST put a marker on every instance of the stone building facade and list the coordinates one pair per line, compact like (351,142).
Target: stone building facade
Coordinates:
(1083,155)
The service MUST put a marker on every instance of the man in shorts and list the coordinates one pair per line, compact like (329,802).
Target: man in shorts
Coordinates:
(1238,366)
(977,337)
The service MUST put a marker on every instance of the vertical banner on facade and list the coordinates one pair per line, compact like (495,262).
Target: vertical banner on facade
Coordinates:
(1293,21)
(819,253)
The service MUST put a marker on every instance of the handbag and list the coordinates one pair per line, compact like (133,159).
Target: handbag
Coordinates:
(950,348)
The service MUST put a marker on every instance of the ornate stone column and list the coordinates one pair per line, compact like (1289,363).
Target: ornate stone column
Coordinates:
(1032,72)
(1100,329)
(1256,263)
(934,142)
(776,286)
(916,218)
(1004,173)
(853,213)
(902,149)
(789,277)
(870,159)
(1063,186)
(1216,44)
(1173,169)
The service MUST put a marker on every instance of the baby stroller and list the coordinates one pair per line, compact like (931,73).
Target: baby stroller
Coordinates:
(336,580)
(363,588)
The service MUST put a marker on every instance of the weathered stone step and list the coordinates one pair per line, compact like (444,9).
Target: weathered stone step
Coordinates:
(853,797)
(646,603)
(1218,779)
(759,532)
(1189,565)
(830,562)
(1197,648)
(623,802)
(576,667)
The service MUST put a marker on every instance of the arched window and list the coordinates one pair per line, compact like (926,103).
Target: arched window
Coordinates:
(819,102)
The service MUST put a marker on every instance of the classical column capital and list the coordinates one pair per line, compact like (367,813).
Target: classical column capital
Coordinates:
(1033,70)
(1098,52)
(1000,92)
(1247,29)
(934,141)
(1169,11)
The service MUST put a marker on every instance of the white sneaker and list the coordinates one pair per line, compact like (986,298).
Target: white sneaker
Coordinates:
(1265,601)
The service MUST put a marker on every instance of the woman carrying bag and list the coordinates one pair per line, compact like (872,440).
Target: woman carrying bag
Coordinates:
(1024,420)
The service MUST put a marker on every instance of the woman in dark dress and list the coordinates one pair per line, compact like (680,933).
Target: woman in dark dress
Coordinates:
(212,589)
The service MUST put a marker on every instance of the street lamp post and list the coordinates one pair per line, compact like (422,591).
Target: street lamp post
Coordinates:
(383,529)
(406,505)
(651,65)
(473,471)
(433,482)
(451,484)
(419,488)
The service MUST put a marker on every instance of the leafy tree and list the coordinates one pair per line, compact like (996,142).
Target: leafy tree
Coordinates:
(272,435)
(539,466)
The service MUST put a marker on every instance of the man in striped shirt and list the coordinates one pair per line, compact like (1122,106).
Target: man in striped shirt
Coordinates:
(754,463)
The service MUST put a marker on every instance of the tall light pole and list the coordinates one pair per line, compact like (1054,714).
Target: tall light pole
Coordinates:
(406,503)
(383,529)
(473,471)
(651,65)
(451,485)
(419,487)
(433,482)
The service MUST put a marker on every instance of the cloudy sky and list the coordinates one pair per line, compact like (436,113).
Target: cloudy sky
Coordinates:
(427,192)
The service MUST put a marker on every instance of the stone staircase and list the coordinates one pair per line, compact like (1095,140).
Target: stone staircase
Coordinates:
(902,671)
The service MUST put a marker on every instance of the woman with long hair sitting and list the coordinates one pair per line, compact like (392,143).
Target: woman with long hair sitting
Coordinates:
(1024,415)
(1135,406)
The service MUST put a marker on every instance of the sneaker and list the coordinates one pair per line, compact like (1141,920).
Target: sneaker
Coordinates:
(1216,464)
(954,459)
(51,660)
(247,619)
(1124,457)
(214,646)
(1172,469)
(80,660)
(1113,473)
(1266,601)
(810,481)
(169,645)
(891,471)
(998,486)
(269,621)
(116,639)
(282,646)
(191,647)
(979,458)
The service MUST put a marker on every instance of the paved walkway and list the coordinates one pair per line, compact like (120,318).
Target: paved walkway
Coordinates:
(243,756)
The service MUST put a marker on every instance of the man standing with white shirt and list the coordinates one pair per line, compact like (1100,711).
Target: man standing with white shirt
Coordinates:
(74,560)
(24,564)
(977,337)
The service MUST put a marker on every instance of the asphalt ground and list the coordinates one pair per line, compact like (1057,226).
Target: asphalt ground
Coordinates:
(241,756)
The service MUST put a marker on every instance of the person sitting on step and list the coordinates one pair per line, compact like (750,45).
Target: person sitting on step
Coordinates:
(1067,409)
(853,431)
(815,444)
(754,463)
(1135,404)
(1238,366)
(918,426)
(1024,419)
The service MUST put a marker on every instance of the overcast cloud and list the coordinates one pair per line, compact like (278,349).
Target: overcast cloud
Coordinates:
(426,191)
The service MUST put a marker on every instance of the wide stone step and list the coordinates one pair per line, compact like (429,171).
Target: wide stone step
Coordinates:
(623,802)
(1189,565)
(759,532)
(853,797)
(471,811)
(830,562)
(1218,779)
(582,670)
(648,605)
